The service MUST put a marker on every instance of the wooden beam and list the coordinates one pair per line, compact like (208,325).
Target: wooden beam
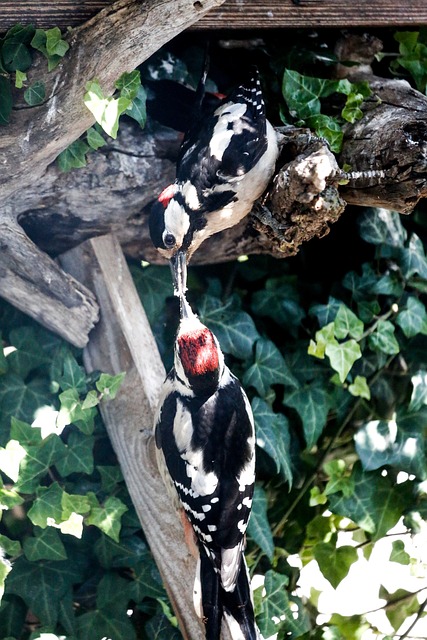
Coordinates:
(123,341)
(236,14)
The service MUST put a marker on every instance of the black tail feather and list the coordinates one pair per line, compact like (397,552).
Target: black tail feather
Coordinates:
(237,604)
(211,597)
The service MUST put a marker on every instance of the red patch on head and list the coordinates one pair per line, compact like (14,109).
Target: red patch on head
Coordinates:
(198,352)
(167,194)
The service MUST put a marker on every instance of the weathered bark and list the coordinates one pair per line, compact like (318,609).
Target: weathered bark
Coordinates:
(116,40)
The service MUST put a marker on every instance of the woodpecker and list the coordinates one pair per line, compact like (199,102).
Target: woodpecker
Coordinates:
(225,163)
(205,445)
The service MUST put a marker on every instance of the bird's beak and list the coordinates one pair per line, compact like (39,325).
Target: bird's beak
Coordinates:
(186,311)
(178,265)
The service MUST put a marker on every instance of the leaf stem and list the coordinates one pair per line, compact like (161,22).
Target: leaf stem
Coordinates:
(420,612)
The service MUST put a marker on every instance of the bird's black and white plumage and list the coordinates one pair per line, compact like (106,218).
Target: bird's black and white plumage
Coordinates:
(225,163)
(205,440)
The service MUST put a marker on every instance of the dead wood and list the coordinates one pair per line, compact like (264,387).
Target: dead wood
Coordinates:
(125,34)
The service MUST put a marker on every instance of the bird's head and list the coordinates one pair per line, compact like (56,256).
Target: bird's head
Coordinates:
(169,225)
(199,361)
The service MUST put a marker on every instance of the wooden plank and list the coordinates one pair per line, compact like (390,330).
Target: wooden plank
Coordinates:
(236,14)
(252,14)
(123,341)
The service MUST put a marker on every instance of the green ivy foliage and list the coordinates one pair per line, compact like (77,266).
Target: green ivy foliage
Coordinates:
(337,378)
(75,562)
(16,56)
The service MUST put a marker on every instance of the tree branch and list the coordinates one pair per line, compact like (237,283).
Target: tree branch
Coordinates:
(117,39)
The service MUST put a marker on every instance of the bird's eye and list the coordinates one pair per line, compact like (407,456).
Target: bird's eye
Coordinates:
(169,241)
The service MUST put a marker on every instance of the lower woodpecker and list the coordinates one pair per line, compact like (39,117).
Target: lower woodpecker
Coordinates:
(205,443)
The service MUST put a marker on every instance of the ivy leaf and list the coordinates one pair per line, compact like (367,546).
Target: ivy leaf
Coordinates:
(37,462)
(129,552)
(380,226)
(342,356)
(5,569)
(401,605)
(380,443)
(73,157)
(111,476)
(21,399)
(147,582)
(55,46)
(107,517)
(272,435)
(109,385)
(73,375)
(72,411)
(138,109)
(106,110)
(326,313)
(94,139)
(45,545)
(279,301)
(398,553)
(42,585)
(327,127)
(35,94)
(113,592)
(412,318)
(128,84)
(47,505)
(302,93)
(412,259)
(346,323)
(154,285)
(159,628)
(383,338)
(78,456)
(258,527)
(312,404)
(234,328)
(376,503)
(334,562)
(10,547)
(359,388)
(269,368)
(325,336)
(51,45)
(276,613)
(6,101)
(27,355)
(16,55)
(413,57)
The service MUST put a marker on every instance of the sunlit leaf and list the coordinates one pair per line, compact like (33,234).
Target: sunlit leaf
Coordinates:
(376,503)
(107,517)
(360,388)
(342,356)
(334,562)
(381,443)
